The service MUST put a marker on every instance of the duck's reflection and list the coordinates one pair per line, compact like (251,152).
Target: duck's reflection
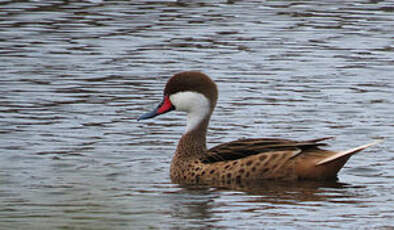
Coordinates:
(193,204)
(293,192)
(199,205)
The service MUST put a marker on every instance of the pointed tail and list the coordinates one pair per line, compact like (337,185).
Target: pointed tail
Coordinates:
(347,153)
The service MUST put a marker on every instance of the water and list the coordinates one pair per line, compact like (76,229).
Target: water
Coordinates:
(75,75)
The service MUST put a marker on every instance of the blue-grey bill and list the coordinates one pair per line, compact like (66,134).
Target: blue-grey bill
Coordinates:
(148,115)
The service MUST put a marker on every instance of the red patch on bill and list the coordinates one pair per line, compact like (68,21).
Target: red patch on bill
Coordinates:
(165,106)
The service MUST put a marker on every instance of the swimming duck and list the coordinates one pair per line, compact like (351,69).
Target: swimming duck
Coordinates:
(242,161)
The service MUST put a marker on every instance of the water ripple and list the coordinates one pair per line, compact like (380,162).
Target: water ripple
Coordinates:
(75,75)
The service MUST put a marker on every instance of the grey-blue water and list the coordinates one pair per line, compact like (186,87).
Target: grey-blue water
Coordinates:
(75,75)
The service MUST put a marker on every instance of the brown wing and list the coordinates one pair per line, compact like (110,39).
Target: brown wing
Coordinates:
(246,147)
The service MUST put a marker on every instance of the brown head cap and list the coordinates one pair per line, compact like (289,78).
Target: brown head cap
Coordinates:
(192,81)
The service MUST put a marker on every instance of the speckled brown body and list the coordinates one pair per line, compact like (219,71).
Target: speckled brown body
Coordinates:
(287,163)
(242,161)
(253,168)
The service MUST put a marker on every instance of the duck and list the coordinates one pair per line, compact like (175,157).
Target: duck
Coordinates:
(242,161)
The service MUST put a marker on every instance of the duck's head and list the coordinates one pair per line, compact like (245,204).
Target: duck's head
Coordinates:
(191,92)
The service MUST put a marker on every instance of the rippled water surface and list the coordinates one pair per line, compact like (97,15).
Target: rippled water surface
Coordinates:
(75,75)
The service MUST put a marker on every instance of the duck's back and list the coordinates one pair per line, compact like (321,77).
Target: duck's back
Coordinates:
(251,160)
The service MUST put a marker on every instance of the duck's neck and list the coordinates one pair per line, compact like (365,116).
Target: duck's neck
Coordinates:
(193,143)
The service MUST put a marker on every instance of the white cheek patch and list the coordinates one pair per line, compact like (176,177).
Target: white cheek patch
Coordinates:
(196,105)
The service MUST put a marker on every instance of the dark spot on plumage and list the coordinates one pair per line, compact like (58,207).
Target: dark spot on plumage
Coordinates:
(262,157)
(238,179)
(247,174)
(235,162)
(253,169)
(241,171)
(212,171)
(249,163)
(203,173)
(226,167)
(228,175)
